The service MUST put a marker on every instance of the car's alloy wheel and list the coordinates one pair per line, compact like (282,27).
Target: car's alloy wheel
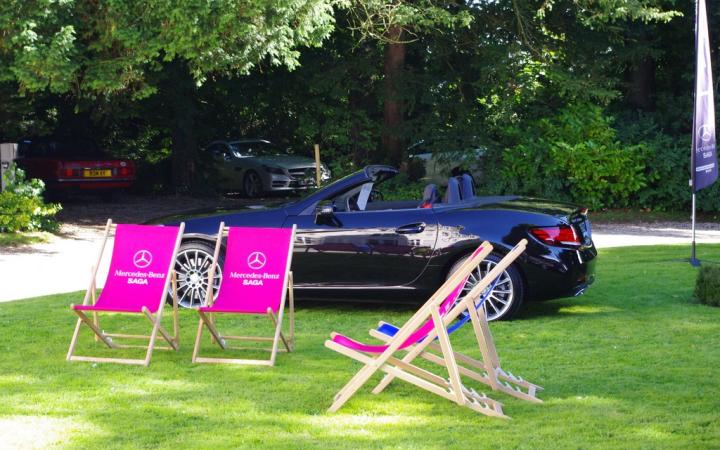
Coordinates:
(507,293)
(192,266)
(252,184)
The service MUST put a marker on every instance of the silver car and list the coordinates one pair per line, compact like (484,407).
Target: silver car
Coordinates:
(256,166)
(439,165)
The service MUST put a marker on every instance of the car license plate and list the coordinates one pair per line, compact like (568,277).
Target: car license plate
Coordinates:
(93,173)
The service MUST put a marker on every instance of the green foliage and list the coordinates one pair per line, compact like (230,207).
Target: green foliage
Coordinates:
(154,81)
(376,19)
(22,207)
(576,156)
(666,167)
(401,187)
(68,46)
(707,286)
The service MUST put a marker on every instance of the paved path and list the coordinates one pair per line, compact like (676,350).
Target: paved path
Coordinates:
(623,235)
(63,265)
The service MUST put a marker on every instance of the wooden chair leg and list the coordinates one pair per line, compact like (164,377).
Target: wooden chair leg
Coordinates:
(276,336)
(87,321)
(176,319)
(204,319)
(351,387)
(452,368)
(198,337)
(153,335)
(485,343)
(73,341)
(291,311)
(275,323)
(165,335)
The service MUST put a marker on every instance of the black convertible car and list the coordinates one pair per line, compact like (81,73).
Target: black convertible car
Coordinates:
(351,244)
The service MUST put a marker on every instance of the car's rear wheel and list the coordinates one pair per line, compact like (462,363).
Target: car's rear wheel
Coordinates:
(507,295)
(252,184)
(192,266)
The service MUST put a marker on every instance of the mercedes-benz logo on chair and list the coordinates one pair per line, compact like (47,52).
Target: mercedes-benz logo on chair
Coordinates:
(142,258)
(256,260)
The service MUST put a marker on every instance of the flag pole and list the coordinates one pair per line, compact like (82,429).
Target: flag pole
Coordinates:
(703,156)
(693,258)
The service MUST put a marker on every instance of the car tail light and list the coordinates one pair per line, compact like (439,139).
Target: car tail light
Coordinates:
(126,169)
(559,235)
(64,171)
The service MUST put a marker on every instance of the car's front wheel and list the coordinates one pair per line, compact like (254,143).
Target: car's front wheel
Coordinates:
(507,294)
(192,266)
(252,184)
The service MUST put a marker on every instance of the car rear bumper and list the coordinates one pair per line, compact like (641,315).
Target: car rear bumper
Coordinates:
(563,273)
(100,183)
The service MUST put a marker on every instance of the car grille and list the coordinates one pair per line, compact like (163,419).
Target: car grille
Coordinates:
(302,172)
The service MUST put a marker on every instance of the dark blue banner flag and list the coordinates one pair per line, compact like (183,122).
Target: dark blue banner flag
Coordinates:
(704,158)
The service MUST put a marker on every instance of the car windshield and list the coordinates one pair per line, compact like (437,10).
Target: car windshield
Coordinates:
(255,148)
(60,148)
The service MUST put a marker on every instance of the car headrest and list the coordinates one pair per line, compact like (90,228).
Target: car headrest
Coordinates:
(467,187)
(452,193)
(430,196)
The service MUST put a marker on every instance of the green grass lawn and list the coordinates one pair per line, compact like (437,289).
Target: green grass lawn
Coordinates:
(632,364)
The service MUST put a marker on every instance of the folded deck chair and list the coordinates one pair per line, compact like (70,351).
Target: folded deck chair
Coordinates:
(140,275)
(256,279)
(487,371)
(427,324)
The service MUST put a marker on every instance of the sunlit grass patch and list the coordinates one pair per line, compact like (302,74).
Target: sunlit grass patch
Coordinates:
(38,432)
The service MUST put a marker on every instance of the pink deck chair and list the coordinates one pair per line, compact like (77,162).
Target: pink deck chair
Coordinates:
(416,337)
(140,275)
(256,279)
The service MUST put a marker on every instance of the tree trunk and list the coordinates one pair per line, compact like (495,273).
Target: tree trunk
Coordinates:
(392,139)
(359,151)
(184,141)
(641,85)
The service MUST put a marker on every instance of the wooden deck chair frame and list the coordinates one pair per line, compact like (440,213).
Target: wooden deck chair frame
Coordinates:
(207,320)
(487,371)
(450,388)
(155,320)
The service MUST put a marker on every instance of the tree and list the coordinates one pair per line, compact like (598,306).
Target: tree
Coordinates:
(395,24)
(96,51)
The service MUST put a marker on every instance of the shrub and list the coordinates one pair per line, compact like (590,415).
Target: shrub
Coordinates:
(576,156)
(22,207)
(400,187)
(667,165)
(707,287)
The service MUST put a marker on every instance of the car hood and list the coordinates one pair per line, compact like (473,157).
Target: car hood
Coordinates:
(285,161)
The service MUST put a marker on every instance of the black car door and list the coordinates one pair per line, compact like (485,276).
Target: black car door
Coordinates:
(363,248)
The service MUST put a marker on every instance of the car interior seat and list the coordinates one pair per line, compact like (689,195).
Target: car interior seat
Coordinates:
(430,196)
(467,187)
(452,193)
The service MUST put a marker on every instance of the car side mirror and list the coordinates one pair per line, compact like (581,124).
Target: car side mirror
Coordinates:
(324,214)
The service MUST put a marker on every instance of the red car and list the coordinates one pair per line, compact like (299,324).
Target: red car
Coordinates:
(74,164)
